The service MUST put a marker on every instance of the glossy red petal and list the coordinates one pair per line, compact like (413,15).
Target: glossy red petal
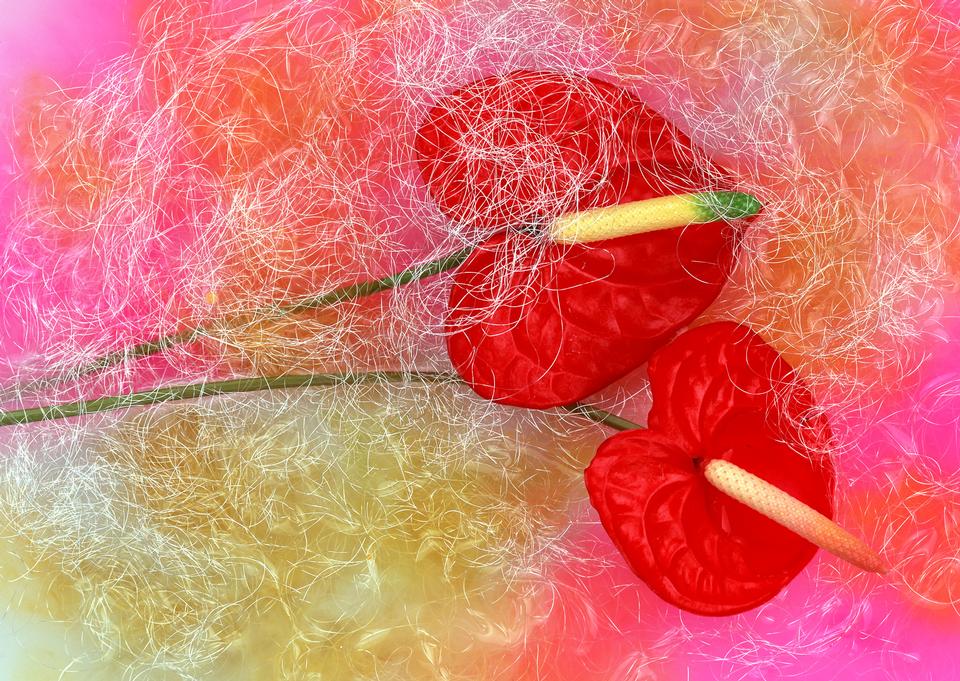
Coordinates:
(711,370)
(507,150)
(693,545)
(538,324)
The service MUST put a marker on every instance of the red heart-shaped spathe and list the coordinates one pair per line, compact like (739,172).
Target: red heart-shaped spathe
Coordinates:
(510,150)
(538,324)
(719,392)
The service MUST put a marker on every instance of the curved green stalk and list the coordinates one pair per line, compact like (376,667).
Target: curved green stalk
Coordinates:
(602,416)
(176,393)
(358,290)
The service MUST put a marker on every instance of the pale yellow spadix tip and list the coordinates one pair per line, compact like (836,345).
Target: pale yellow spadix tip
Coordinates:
(792,513)
(649,215)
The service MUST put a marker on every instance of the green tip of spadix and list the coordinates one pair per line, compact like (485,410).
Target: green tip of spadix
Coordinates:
(727,205)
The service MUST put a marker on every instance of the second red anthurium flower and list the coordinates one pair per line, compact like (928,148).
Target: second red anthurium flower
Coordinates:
(719,393)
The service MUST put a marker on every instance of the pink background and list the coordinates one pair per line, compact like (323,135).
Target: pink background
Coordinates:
(42,43)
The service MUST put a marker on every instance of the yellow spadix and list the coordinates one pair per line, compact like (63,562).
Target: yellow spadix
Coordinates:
(649,215)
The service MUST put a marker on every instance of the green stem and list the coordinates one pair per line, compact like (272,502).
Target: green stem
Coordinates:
(193,391)
(602,416)
(358,290)
(367,288)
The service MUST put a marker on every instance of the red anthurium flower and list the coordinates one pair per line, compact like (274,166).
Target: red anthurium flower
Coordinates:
(536,323)
(719,392)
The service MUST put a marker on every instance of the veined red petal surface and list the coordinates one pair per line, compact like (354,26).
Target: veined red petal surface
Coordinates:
(719,392)
(538,324)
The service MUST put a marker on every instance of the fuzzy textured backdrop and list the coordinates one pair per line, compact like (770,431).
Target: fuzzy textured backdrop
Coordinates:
(227,155)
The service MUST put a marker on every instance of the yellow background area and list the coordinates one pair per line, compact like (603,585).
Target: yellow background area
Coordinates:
(346,534)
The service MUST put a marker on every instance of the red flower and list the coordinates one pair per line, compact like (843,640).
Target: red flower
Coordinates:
(538,324)
(719,392)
